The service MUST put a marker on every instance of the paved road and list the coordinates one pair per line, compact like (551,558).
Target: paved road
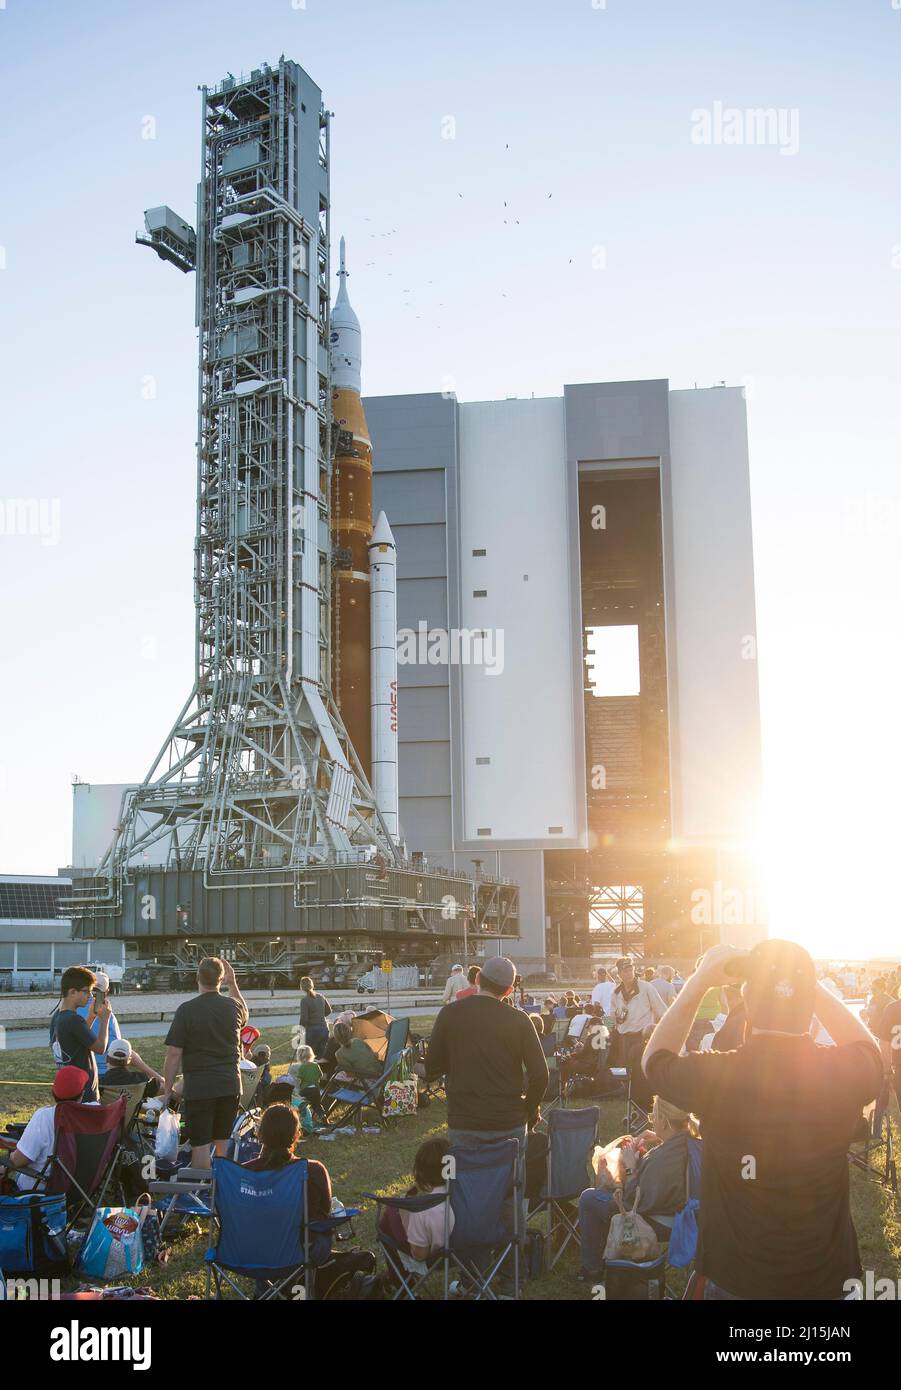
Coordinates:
(18,1038)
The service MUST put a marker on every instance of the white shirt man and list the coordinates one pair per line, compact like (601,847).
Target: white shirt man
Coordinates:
(665,988)
(38,1137)
(602,994)
(456,981)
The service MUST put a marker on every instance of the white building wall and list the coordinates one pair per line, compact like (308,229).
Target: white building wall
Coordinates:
(513,497)
(711,642)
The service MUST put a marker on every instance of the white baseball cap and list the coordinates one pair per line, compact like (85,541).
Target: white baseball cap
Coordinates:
(101,981)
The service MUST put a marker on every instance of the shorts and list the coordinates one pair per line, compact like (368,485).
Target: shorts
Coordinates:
(209,1119)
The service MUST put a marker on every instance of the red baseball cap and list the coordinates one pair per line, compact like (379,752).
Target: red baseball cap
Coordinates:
(69,1083)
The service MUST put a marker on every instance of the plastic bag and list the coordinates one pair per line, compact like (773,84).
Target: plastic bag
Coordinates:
(684,1240)
(613,1165)
(166,1147)
(114,1244)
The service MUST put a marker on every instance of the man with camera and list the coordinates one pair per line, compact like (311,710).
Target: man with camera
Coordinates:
(636,1006)
(777,1116)
(71,1040)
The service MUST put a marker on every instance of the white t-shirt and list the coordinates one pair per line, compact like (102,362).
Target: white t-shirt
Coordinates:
(602,994)
(425,1229)
(36,1144)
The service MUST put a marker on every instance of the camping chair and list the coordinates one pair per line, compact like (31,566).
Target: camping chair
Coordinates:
(572,1135)
(133,1094)
(677,1234)
(407,1276)
(250,1082)
(366,1095)
(863,1158)
(264,1231)
(86,1147)
(434,1087)
(486,1200)
(188,1196)
(398,1036)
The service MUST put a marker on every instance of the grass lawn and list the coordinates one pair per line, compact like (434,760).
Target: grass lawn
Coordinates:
(382,1163)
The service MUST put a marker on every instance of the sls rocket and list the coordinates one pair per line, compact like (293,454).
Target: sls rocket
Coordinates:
(383,591)
(364,590)
(351,528)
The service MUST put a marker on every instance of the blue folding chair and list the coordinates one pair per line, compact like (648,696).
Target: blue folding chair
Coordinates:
(264,1231)
(406,1278)
(572,1136)
(486,1199)
(365,1095)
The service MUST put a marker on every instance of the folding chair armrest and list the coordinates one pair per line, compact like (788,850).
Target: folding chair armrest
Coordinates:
(171,1189)
(28,1171)
(330,1223)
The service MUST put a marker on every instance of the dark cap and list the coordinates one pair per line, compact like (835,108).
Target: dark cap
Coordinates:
(499,971)
(780,984)
(625,963)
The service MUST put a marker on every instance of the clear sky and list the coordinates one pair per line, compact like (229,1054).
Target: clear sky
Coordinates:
(626,249)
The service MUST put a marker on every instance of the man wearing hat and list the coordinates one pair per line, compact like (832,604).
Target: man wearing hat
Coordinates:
(482,1050)
(126,1068)
(777,1116)
(636,1007)
(456,981)
(36,1143)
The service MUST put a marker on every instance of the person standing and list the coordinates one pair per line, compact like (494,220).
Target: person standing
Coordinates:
(603,991)
(777,1117)
(71,1040)
(204,1042)
(663,983)
(314,1010)
(482,1049)
(636,1007)
(456,981)
(88,1012)
(472,987)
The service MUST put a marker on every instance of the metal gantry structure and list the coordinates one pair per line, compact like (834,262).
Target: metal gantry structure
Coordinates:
(257,785)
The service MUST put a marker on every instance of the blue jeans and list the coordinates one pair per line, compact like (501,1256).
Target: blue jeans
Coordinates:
(596,1210)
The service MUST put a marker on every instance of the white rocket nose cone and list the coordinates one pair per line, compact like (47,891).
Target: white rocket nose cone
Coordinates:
(381,531)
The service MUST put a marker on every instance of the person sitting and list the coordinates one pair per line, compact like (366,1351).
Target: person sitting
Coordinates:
(35,1144)
(420,1235)
(306,1077)
(660,1174)
(354,1057)
(547,1014)
(279,1131)
(126,1068)
(572,1003)
(261,1057)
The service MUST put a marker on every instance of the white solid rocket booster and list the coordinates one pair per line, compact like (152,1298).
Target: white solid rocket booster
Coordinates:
(383,620)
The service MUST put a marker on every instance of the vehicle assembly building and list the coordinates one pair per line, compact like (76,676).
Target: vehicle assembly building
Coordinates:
(597,738)
(468,675)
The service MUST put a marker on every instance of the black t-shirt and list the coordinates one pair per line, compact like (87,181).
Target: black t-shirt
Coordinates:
(208,1029)
(777,1117)
(122,1076)
(72,1043)
(888,1029)
(482,1048)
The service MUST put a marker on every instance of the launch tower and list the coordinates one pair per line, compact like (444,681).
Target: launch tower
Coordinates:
(258,788)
